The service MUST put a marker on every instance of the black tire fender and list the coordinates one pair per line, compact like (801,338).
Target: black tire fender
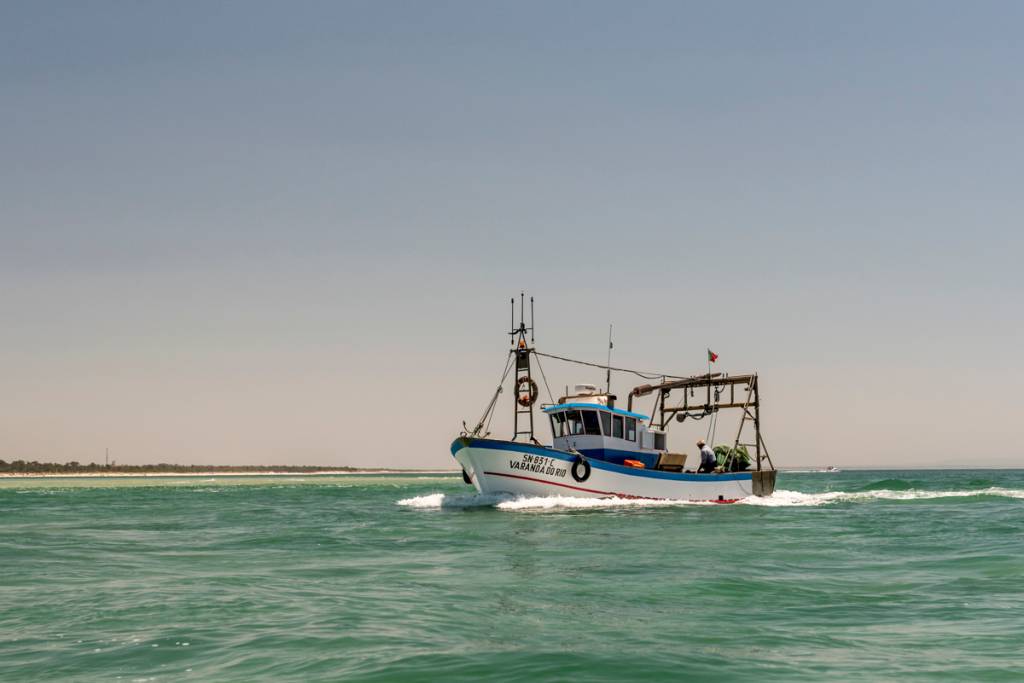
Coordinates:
(465,478)
(577,465)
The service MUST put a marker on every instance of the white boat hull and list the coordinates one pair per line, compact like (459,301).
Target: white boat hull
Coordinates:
(525,469)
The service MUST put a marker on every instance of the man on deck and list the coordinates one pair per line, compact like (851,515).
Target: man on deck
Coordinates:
(708,460)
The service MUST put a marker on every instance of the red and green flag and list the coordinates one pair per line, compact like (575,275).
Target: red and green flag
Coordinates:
(712,356)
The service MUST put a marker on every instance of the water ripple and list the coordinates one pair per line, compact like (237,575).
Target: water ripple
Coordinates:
(854,576)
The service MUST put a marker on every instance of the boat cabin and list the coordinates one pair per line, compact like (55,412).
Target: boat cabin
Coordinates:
(589,422)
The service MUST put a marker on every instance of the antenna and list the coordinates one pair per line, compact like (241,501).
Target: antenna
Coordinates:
(531,320)
(519,331)
(608,373)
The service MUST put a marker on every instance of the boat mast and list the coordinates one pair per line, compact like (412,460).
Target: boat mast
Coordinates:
(525,387)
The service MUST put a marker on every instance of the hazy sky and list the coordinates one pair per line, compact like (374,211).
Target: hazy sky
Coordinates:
(248,232)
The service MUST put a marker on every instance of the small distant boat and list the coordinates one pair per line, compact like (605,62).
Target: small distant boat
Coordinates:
(831,469)
(599,449)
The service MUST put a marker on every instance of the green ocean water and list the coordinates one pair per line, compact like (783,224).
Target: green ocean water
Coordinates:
(855,576)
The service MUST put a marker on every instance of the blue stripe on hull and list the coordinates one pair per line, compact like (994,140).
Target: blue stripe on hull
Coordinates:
(493,444)
(616,456)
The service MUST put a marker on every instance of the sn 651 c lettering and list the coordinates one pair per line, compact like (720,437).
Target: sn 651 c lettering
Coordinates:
(539,464)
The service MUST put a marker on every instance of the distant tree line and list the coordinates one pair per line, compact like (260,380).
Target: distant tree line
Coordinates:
(74,467)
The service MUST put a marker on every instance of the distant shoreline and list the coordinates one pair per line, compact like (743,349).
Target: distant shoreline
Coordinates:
(220,473)
(251,471)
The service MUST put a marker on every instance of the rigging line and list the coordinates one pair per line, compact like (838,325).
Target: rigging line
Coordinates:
(544,377)
(688,413)
(765,447)
(739,432)
(489,412)
(704,411)
(487,429)
(644,375)
(713,427)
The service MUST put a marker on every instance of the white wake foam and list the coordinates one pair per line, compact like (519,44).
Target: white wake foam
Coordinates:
(444,500)
(571,502)
(781,498)
(513,502)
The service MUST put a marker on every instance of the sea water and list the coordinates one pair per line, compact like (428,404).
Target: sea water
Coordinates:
(864,575)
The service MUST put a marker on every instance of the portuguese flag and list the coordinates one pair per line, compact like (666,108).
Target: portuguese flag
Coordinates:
(712,356)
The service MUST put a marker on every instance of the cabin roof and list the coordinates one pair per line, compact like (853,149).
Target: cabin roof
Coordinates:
(593,406)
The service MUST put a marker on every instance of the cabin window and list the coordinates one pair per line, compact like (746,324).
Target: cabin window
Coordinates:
(606,423)
(558,424)
(590,422)
(617,426)
(659,441)
(630,429)
(573,423)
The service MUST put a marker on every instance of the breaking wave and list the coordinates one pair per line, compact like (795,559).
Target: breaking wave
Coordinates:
(891,485)
(513,502)
(458,501)
(781,498)
(570,502)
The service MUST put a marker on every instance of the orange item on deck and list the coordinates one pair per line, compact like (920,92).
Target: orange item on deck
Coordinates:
(633,463)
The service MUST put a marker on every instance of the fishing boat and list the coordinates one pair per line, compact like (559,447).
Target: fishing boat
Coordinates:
(598,449)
